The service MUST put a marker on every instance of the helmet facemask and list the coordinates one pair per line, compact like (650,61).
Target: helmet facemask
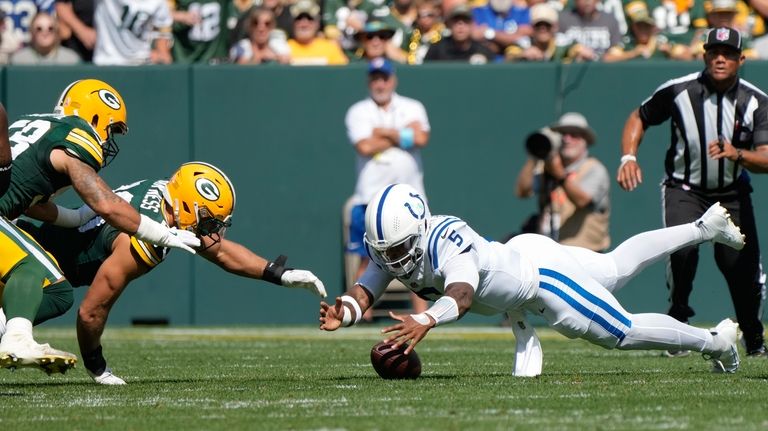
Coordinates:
(399,258)
(208,225)
(109,147)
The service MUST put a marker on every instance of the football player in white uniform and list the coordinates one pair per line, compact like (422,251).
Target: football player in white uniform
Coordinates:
(442,259)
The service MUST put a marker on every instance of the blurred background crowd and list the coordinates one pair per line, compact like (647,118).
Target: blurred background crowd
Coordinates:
(337,32)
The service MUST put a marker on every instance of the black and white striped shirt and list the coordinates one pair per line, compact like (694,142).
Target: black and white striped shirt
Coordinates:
(699,115)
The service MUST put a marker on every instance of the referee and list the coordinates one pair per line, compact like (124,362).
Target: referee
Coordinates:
(719,132)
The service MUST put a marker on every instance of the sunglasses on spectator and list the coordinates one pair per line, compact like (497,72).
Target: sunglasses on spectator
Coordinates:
(383,35)
(41,28)
(542,24)
(305,16)
(266,22)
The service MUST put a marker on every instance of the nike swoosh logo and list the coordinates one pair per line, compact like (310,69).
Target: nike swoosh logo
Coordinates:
(541,310)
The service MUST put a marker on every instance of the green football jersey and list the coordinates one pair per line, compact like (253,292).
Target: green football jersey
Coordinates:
(32,138)
(208,39)
(81,251)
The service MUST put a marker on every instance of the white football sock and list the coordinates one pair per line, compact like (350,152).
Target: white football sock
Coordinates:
(652,331)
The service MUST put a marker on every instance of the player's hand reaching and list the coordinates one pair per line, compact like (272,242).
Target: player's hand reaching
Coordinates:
(408,331)
(303,279)
(330,316)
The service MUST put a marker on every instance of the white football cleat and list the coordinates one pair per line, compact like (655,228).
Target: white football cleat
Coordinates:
(106,378)
(18,351)
(717,226)
(728,361)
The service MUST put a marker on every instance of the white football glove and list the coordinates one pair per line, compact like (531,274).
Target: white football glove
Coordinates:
(303,279)
(156,233)
(106,378)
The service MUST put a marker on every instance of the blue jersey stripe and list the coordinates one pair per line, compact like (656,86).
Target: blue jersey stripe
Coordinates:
(440,231)
(618,333)
(586,295)
(379,230)
(432,236)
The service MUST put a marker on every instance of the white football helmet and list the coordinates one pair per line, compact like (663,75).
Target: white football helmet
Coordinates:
(395,224)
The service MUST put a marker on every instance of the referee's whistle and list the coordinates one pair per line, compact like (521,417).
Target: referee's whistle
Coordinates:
(721,142)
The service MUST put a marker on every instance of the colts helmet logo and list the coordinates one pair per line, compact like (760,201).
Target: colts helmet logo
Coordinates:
(109,99)
(722,34)
(207,189)
(420,211)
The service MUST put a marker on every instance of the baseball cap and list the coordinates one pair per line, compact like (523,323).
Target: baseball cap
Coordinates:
(723,36)
(637,11)
(543,12)
(461,10)
(575,123)
(376,26)
(308,7)
(720,6)
(381,65)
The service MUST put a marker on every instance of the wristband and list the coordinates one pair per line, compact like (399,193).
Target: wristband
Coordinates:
(406,138)
(626,158)
(421,318)
(444,310)
(273,273)
(350,305)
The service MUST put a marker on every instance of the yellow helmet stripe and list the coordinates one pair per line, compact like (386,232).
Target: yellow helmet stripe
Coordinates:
(81,138)
(145,252)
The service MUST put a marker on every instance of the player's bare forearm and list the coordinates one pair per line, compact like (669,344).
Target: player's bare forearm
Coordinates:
(96,193)
(755,160)
(236,259)
(462,293)
(45,212)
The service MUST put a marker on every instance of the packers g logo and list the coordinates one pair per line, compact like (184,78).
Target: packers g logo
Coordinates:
(109,99)
(207,189)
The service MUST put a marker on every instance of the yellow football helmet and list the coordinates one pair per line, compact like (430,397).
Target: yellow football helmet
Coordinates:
(202,198)
(101,106)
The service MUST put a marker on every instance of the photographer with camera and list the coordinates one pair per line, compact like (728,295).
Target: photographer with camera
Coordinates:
(572,188)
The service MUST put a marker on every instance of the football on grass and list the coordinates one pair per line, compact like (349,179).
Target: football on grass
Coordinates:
(391,363)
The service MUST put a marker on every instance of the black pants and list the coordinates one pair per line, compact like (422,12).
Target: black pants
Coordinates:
(741,268)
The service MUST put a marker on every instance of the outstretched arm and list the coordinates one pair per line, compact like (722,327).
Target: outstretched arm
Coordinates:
(347,310)
(113,276)
(237,259)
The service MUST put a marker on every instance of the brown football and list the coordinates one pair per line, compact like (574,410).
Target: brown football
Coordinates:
(391,363)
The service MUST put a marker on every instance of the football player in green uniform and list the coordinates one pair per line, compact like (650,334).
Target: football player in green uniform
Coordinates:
(50,153)
(198,198)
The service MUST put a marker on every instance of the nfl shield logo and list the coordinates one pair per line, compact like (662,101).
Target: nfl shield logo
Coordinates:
(722,34)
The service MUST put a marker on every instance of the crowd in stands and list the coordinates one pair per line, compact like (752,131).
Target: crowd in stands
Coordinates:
(337,32)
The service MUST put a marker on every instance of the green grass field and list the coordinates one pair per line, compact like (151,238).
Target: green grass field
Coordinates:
(300,378)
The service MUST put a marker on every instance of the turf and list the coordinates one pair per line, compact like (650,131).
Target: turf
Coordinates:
(300,378)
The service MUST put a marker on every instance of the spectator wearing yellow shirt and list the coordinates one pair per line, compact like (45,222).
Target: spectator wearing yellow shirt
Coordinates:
(307,46)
